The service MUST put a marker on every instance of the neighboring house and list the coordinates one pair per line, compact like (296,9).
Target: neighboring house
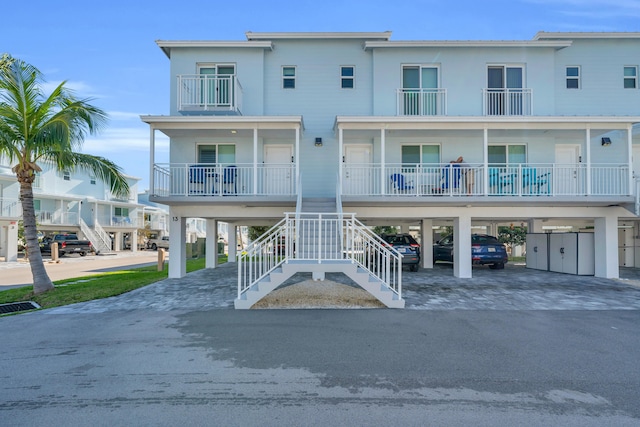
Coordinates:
(75,202)
(10,214)
(547,128)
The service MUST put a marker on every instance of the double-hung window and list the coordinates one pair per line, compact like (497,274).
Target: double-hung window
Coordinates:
(347,77)
(573,77)
(288,77)
(631,77)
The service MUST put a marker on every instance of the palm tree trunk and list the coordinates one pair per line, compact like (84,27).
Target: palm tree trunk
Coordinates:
(41,280)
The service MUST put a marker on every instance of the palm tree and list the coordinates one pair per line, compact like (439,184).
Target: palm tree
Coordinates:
(36,129)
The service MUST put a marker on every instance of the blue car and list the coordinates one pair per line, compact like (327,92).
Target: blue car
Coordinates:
(485,249)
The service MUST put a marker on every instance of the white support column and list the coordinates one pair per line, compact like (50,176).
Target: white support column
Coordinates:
(133,238)
(462,247)
(587,155)
(630,158)
(297,130)
(383,160)
(535,226)
(152,148)
(232,240)
(426,243)
(177,245)
(117,244)
(606,247)
(485,160)
(211,244)
(11,253)
(255,162)
(340,156)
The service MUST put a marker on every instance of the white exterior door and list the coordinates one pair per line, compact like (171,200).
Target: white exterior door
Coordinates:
(278,169)
(566,177)
(358,176)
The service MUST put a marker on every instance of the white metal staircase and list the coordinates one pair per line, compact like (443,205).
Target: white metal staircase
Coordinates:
(99,238)
(319,242)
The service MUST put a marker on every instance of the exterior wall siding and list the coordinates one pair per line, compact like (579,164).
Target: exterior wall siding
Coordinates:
(601,67)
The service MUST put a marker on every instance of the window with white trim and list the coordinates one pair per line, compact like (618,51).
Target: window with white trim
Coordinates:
(66,175)
(508,154)
(92,180)
(630,77)
(216,153)
(289,77)
(423,154)
(573,77)
(347,76)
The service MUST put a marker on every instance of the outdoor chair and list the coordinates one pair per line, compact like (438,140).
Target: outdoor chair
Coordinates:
(533,181)
(196,179)
(399,183)
(500,180)
(229,180)
(451,175)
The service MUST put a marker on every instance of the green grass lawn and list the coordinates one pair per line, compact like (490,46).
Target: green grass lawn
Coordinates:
(87,288)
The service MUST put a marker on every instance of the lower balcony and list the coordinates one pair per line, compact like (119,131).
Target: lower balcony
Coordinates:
(217,180)
(453,179)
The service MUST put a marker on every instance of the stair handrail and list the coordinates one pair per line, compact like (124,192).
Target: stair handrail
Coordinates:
(372,253)
(358,245)
(265,254)
(97,236)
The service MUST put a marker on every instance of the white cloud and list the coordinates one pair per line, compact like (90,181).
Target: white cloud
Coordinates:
(81,89)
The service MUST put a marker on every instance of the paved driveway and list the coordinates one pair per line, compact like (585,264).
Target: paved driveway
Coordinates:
(514,288)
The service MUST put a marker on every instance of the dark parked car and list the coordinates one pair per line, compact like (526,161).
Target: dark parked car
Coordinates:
(407,246)
(485,249)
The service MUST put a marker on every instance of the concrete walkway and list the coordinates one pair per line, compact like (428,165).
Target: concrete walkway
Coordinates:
(514,288)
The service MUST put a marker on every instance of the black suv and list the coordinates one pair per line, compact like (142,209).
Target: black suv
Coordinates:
(407,246)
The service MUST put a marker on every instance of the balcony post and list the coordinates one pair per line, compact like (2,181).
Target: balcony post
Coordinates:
(340,157)
(588,159)
(382,161)
(485,160)
(152,145)
(255,161)
(630,158)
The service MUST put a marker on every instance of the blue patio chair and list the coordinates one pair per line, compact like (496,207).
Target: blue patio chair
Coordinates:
(500,180)
(229,179)
(197,177)
(451,176)
(399,183)
(532,180)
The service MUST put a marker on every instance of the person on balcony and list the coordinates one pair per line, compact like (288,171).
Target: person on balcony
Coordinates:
(467,172)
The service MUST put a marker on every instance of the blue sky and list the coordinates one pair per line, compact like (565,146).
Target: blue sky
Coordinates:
(107,50)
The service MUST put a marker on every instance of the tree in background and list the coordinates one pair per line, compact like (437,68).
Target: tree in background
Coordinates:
(512,235)
(380,230)
(36,128)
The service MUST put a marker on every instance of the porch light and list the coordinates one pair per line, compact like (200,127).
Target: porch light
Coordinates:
(318,142)
(606,141)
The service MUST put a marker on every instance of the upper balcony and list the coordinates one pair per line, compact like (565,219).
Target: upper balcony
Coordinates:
(10,208)
(507,102)
(209,94)
(433,102)
(421,102)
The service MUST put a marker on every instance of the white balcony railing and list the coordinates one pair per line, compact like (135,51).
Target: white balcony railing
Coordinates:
(201,92)
(507,102)
(57,217)
(421,102)
(188,179)
(118,221)
(10,208)
(522,180)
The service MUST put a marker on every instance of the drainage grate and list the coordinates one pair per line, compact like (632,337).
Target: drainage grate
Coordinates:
(17,306)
